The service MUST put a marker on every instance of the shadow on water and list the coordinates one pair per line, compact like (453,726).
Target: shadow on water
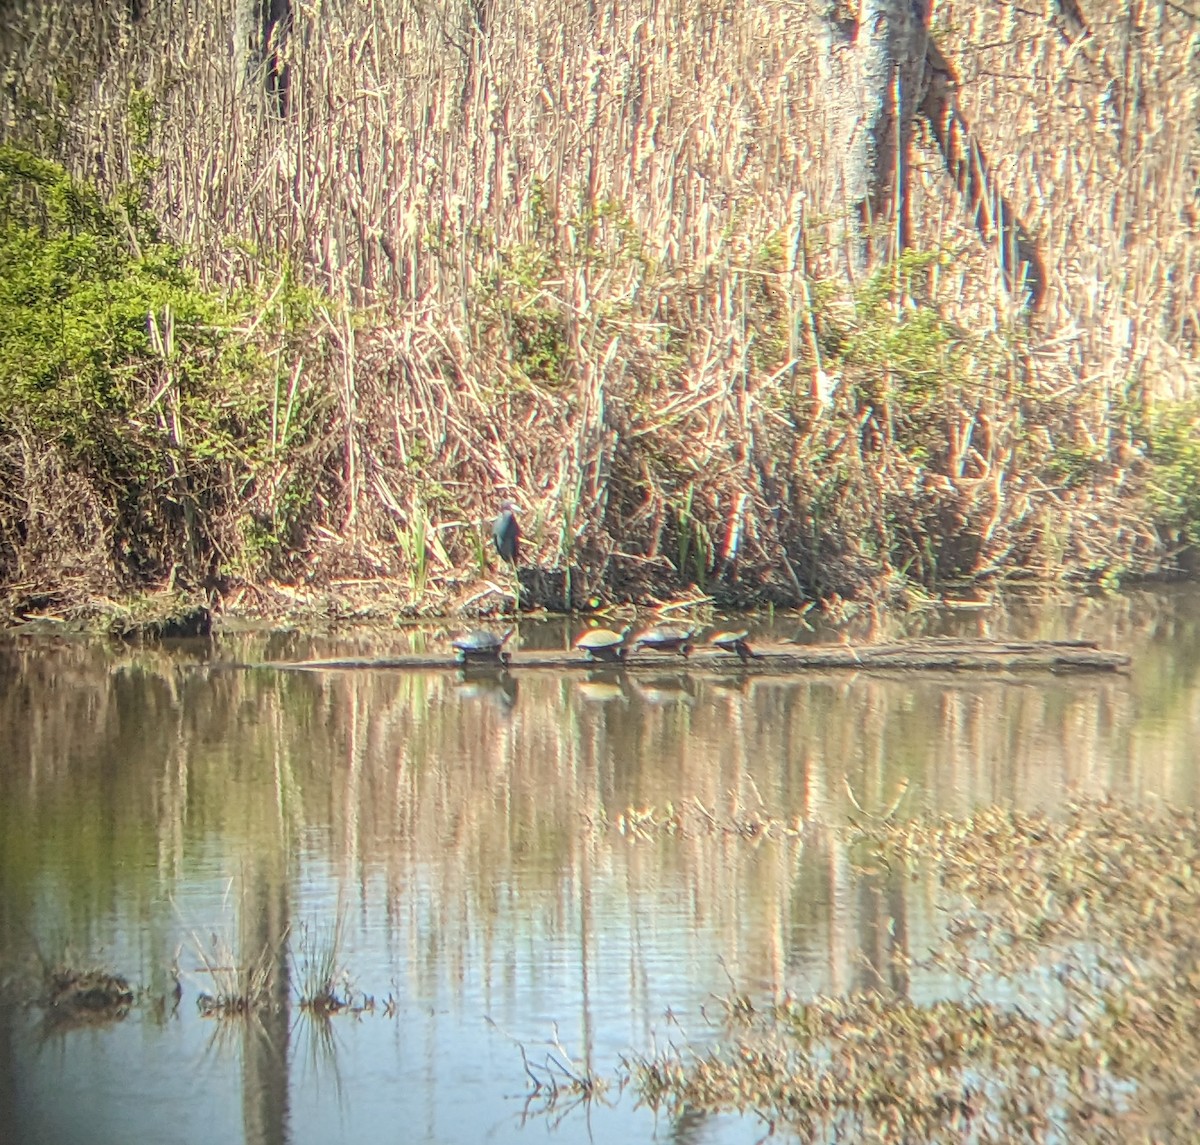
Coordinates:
(584,858)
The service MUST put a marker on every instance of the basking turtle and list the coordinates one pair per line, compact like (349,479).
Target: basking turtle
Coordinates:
(603,644)
(479,645)
(666,638)
(733,642)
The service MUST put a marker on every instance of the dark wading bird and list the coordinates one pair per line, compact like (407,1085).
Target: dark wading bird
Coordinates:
(507,533)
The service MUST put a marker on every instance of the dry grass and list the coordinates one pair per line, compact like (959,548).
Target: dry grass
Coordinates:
(593,242)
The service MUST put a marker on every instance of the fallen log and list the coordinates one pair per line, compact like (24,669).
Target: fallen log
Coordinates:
(909,655)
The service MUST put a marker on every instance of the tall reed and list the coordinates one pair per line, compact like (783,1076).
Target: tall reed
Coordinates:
(599,245)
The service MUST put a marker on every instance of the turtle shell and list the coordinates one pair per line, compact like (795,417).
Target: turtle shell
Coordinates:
(664,636)
(479,641)
(602,644)
(599,638)
(481,645)
(728,639)
(733,642)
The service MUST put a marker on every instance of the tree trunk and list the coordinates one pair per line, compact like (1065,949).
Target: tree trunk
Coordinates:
(882,69)
(876,81)
(261,29)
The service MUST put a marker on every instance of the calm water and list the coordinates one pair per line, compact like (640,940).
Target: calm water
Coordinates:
(159,808)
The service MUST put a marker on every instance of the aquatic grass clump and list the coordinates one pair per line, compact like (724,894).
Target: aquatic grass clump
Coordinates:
(240,988)
(323,983)
(93,989)
(71,988)
(558,1083)
(1069,963)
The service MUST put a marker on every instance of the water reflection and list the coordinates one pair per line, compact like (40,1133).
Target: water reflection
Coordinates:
(601,685)
(466,826)
(666,688)
(490,685)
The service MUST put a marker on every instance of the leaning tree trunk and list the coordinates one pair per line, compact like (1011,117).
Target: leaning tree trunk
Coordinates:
(994,216)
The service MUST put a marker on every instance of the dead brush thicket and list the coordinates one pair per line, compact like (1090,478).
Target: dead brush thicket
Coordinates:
(593,257)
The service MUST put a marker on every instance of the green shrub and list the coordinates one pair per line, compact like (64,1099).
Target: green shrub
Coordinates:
(90,331)
(1175,459)
(115,362)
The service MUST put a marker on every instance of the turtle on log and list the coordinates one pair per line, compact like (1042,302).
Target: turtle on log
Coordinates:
(733,642)
(480,646)
(603,644)
(666,638)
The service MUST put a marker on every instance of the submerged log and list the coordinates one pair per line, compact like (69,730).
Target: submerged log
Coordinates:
(908,655)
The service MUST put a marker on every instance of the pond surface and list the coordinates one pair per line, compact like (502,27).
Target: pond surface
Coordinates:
(486,859)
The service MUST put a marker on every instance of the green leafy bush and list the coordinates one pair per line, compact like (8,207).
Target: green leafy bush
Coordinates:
(133,379)
(94,326)
(1175,458)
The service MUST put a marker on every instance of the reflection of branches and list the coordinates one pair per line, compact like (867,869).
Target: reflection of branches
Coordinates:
(229,1037)
(888,812)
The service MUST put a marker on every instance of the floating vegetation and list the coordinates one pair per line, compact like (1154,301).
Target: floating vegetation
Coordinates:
(1123,882)
(1071,961)
(85,997)
(865,1068)
(691,818)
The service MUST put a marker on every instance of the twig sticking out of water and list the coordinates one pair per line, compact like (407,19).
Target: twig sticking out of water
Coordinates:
(558,1083)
